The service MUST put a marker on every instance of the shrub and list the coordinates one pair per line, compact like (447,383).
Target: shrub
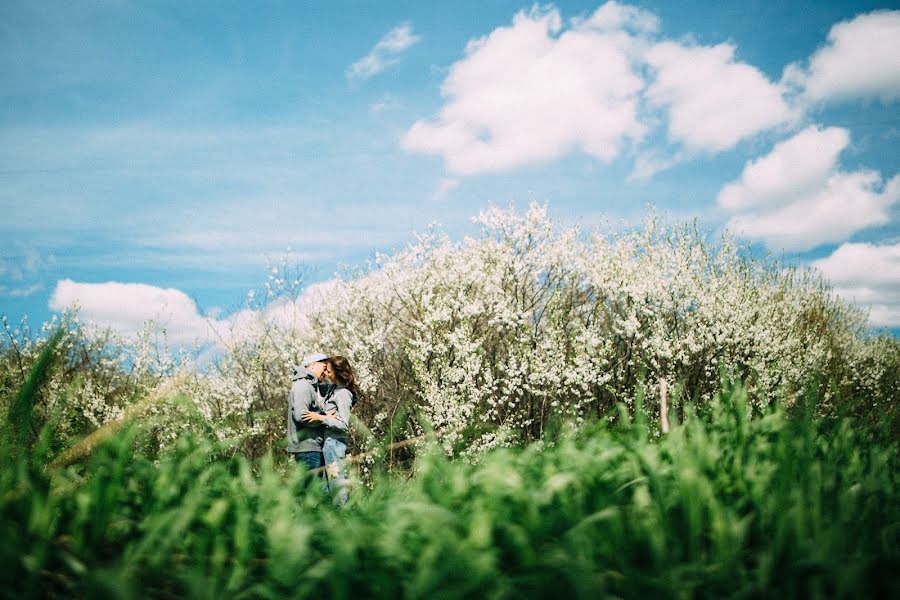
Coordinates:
(495,337)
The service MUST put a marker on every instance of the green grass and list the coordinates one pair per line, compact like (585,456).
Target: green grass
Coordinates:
(19,419)
(723,506)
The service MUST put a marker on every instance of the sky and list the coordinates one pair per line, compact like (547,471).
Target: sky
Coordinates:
(157,157)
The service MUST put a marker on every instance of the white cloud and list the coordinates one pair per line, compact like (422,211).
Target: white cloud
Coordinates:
(795,167)
(844,205)
(444,187)
(126,307)
(25,263)
(385,53)
(713,100)
(648,164)
(868,275)
(795,198)
(21,271)
(539,89)
(386,103)
(860,60)
(22,292)
(535,91)
(613,16)
(281,312)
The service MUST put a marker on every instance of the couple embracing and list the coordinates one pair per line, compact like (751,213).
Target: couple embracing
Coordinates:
(323,392)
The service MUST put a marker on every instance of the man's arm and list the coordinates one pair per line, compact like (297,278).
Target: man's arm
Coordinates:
(302,398)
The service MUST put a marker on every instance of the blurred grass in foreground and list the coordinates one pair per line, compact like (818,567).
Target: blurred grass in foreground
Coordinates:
(723,506)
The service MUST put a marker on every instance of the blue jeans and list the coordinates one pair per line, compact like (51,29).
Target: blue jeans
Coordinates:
(334,452)
(310,460)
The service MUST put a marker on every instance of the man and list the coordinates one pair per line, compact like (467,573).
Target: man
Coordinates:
(307,393)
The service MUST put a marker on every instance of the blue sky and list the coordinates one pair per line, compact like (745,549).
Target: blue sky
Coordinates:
(185,145)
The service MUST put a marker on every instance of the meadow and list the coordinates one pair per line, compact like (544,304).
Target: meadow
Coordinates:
(529,363)
(724,505)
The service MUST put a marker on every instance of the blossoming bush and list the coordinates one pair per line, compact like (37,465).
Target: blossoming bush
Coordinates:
(243,392)
(497,337)
(494,340)
(230,390)
(97,374)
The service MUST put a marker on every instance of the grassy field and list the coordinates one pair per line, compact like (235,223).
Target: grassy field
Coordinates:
(723,506)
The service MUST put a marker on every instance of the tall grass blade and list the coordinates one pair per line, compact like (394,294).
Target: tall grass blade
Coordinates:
(21,410)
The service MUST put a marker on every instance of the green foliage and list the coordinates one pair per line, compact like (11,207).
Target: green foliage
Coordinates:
(726,505)
(19,417)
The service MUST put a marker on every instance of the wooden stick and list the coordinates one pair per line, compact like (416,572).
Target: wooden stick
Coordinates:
(96,437)
(664,405)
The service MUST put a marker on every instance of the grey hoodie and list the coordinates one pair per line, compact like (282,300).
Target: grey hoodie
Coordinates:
(340,401)
(306,394)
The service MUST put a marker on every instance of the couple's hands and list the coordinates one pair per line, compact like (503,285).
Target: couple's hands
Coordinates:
(309,417)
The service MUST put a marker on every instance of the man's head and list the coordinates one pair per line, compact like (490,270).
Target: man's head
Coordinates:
(315,363)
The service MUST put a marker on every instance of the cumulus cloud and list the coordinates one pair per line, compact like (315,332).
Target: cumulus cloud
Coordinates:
(127,307)
(613,16)
(796,198)
(385,53)
(534,91)
(861,59)
(539,89)
(795,167)
(868,275)
(713,100)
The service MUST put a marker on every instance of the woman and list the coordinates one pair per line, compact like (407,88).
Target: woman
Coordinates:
(337,422)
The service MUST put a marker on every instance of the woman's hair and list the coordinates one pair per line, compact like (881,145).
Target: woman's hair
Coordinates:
(344,375)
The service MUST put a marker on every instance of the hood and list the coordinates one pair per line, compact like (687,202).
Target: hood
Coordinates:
(301,372)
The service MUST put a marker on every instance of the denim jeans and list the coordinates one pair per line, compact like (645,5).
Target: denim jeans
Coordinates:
(334,451)
(310,460)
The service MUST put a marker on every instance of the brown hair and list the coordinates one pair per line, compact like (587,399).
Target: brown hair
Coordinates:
(345,376)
